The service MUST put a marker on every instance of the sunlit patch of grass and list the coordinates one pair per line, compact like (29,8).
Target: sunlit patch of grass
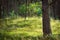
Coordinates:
(32,26)
(26,31)
(55,26)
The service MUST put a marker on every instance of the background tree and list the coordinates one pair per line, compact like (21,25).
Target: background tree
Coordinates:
(54,9)
(0,8)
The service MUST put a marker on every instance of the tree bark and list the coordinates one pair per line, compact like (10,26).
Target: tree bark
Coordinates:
(58,9)
(55,9)
(0,10)
(46,19)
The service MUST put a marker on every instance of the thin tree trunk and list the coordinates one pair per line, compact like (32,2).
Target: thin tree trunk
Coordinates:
(46,19)
(0,10)
(58,9)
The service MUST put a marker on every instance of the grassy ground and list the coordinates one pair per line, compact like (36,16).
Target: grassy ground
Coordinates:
(11,29)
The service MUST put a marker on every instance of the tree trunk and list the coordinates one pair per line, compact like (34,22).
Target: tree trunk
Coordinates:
(58,9)
(0,10)
(46,19)
(55,9)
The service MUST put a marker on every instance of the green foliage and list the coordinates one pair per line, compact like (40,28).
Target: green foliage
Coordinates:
(12,13)
(31,9)
(23,8)
(36,8)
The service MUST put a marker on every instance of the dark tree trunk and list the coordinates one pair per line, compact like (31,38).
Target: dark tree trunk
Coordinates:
(58,9)
(46,19)
(0,10)
(55,9)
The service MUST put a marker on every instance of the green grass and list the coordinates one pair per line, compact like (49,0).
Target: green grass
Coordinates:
(20,27)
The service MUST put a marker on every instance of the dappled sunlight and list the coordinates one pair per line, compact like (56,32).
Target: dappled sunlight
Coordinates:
(55,26)
(33,23)
(29,20)
(24,32)
(32,26)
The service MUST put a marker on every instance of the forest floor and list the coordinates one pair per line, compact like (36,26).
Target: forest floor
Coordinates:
(20,27)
